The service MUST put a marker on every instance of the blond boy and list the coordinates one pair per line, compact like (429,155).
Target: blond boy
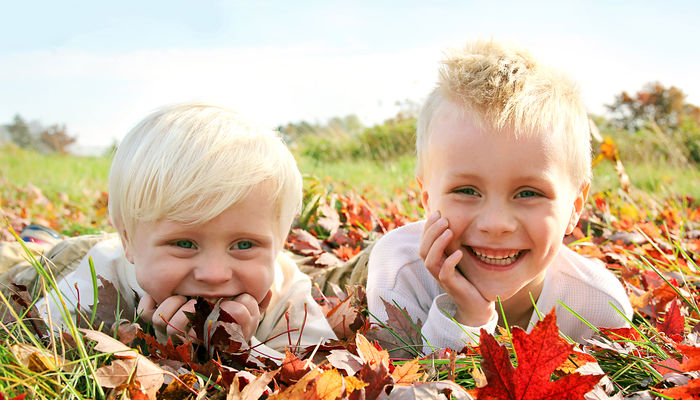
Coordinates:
(202,202)
(504,169)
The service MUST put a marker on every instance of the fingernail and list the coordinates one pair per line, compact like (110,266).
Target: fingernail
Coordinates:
(434,215)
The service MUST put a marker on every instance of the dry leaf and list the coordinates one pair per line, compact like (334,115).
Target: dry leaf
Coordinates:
(144,370)
(407,373)
(370,354)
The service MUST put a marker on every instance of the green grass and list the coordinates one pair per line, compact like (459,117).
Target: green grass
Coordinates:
(660,179)
(54,173)
(374,178)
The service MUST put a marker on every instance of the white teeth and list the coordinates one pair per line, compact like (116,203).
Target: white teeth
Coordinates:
(497,260)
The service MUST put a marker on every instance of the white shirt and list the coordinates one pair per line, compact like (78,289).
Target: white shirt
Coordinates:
(397,272)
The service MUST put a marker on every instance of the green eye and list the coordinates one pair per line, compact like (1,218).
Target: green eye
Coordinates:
(243,245)
(185,244)
(468,191)
(527,193)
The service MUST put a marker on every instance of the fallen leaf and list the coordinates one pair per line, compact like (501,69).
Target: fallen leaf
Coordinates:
(36,360)
(407,373)
(673,324)
(402,327)
(692,353)
(442,390)
(292,369)
(180,388)
(345,319)
(539,353)
(691,390)
(369,353)
(144,370)
(345,360)
(255,389)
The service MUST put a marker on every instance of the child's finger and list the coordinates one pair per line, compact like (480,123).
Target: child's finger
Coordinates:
(242,316)
(435,258)
(179,323)
(146,307)
(448,273)
(249,302)
(164,313)
(430,234)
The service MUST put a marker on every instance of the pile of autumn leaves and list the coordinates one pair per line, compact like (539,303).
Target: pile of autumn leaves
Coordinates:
(654,251)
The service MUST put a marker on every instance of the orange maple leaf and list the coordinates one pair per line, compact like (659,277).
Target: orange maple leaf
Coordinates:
(691,390)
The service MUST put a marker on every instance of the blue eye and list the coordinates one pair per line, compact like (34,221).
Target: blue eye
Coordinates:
(468,191)
(185,244)
(527,193)
(243,245)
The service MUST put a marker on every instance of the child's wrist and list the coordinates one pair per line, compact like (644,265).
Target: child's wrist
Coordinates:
(472,318)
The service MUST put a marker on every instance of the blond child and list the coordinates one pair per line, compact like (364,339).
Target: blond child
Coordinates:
(202,202)
(503,151)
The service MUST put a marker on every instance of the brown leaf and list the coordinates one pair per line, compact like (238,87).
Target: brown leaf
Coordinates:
(107,344)
(330,221)
(327,259)
(303,242)
(144,370)
(402,327)
(377,378)
(293,369)
(345,318)
(110,303)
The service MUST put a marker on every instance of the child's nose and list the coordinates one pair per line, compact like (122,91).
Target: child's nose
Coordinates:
(496,219)
(214,269)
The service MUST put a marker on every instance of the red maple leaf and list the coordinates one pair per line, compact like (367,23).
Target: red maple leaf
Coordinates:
(691,357)
(674,323)
(539,353)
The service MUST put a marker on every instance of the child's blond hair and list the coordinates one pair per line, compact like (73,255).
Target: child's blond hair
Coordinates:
(190,162)
(505,89)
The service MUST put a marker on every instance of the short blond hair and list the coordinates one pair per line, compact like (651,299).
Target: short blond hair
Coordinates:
(190,162)
(505,89)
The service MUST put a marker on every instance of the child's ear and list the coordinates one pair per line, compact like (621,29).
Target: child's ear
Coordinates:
(126,244)
(576,211)
(424,198)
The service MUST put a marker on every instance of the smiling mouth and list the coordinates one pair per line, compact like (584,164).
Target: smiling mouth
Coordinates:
(496,257)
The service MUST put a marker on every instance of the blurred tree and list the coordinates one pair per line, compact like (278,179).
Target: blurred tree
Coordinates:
(655,103)
(56,139)
(20,134)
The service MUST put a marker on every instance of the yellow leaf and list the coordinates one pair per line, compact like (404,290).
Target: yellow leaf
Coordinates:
(352,384)
(35,359)
(407,373)
(329,385)
(370,354)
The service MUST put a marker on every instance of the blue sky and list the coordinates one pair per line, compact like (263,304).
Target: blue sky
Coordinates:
(99,67)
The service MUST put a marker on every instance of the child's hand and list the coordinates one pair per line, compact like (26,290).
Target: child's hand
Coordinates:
(245,309)
(169,319)
(472,308)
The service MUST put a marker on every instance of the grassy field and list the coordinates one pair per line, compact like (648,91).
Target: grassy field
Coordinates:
(367,197)
(81,177)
